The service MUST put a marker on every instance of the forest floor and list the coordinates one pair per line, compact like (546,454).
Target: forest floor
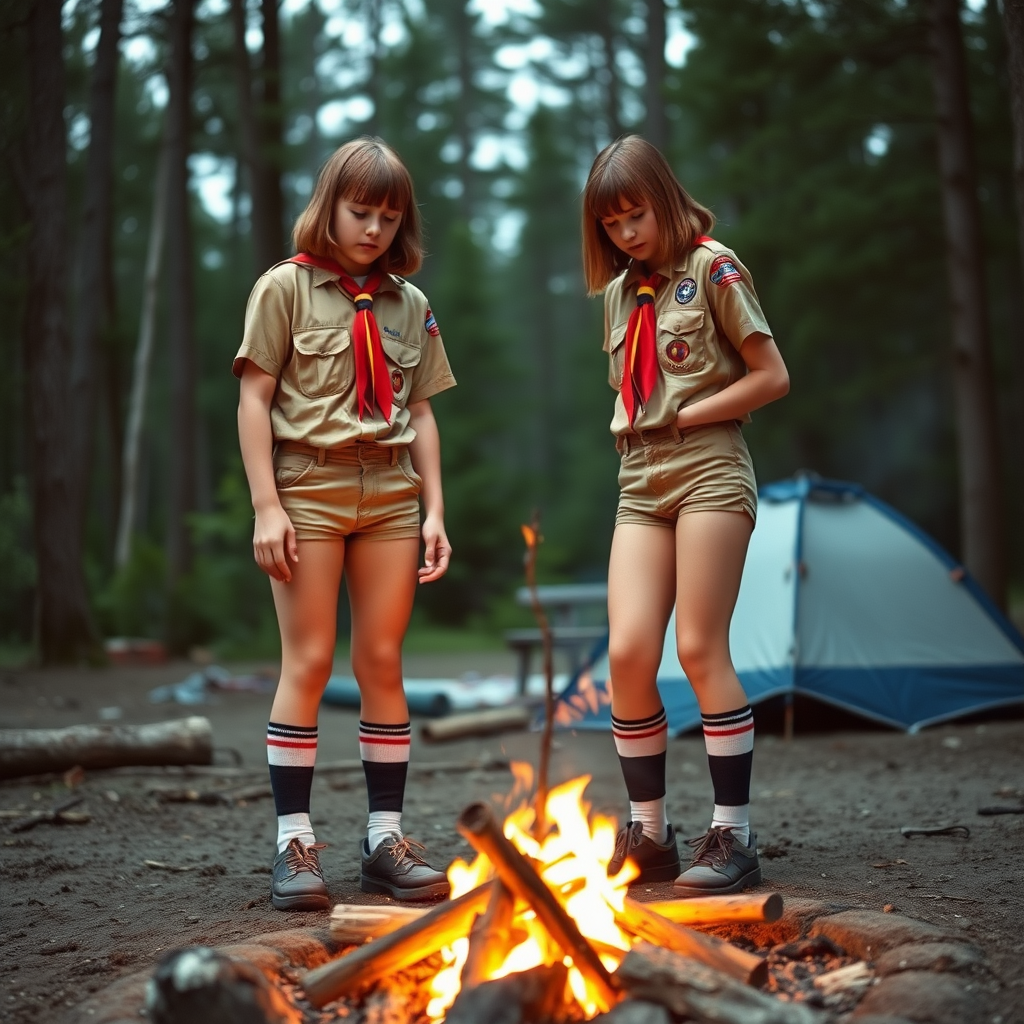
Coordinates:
(80,907)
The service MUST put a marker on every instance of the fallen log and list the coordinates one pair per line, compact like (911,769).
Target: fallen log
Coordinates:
(483,831)
(696,992)
(34,751)
(645,923)
(476,723)
(721,909)
(414,941)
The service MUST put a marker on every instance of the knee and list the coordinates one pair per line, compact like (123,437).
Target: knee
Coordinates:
(379,662)
(630,656)
(696,655)
(308,668)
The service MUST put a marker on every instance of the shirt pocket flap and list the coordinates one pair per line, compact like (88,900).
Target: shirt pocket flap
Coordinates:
(617,336)
(322,341)
(399,352)
(681,321)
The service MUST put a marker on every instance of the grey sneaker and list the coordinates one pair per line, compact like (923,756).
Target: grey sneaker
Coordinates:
(396,868)
(720,865)
(657,862)
(298,882)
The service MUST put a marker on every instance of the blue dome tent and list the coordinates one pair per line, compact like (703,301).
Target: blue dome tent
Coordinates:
(846,601)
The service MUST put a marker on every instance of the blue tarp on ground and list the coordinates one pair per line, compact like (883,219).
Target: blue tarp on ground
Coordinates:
(844,600)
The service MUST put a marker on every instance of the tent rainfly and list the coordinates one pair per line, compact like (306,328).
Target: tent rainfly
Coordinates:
(846,601)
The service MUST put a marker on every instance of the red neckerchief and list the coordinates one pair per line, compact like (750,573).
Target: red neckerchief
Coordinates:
(373,382)
(640,369)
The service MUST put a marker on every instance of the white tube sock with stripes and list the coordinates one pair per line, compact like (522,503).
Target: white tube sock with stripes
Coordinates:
(729,741)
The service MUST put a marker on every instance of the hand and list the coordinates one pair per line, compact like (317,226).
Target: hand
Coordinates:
(274,544)
(438,552)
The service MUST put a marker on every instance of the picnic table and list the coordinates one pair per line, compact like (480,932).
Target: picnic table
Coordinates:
(564,603)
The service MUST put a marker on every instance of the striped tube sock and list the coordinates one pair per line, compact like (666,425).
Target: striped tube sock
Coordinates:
(729,740)
(641,744)
(385,753)
(291,755)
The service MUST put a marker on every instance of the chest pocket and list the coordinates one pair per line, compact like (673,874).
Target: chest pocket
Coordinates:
(401,359)
(616,353)
(680,341)
(322,363)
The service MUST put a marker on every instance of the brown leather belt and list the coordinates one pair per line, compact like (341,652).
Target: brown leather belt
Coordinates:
(358,451)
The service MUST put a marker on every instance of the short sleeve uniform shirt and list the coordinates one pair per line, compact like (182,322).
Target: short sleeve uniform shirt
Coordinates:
(298,328)
(705,306)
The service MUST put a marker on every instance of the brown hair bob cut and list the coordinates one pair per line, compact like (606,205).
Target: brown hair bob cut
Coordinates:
(365,171)
(631,172)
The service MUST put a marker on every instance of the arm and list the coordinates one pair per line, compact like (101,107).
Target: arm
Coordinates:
(766,380)
(425,452)
(273,539)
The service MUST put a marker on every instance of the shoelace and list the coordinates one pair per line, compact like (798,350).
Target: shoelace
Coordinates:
(626,841)
(405,847)
(304,858)
(714,847)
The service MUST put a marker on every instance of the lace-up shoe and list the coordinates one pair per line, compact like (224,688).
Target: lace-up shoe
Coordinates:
(658,862)
(397,868)
(721,864)
(298,882)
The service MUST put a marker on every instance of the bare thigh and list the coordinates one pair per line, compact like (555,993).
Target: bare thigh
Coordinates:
(641,586)
(381,579)
(711,548)
(307,614)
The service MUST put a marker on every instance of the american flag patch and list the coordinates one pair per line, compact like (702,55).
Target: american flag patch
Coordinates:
(431,325)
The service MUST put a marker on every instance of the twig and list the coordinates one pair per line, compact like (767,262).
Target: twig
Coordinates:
(533,538)
(59,814)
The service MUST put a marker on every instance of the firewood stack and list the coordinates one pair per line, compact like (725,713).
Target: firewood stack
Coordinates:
(668,965)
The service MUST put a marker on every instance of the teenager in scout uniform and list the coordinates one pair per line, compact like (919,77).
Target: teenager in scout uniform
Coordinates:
(691,356)
(338,363)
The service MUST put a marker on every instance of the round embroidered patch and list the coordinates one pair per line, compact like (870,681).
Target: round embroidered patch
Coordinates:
(397,381)
(685,291)
(678,351)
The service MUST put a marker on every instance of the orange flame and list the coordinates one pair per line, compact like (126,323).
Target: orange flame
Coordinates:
(573,860)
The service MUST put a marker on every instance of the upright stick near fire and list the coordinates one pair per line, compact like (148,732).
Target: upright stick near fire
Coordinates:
(483,831)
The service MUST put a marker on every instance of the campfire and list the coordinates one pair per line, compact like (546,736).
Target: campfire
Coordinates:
(536,907)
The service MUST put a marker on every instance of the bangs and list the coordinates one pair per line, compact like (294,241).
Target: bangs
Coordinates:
(611,190)
(374,176)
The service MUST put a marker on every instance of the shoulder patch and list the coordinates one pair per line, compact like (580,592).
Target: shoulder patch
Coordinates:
(685,291)
(723,271)
(431,324)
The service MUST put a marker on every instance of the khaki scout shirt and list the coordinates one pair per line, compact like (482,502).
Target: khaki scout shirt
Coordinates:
(706,307)
(298,328)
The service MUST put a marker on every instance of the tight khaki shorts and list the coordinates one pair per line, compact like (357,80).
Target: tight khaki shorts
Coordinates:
(363,488)
(664,474)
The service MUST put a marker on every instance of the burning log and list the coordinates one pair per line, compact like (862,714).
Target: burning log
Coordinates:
(414,941)
(354,923)
(478,824)
(721,909)
(641,920)
(491,937)
(33,751)
(696,992)
(531,995)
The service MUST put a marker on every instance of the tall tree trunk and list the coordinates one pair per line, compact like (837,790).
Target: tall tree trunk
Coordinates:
(1013,18)
(266,231)
(63,623)
(981,491)
(271,134)
(132,452)
(373,25)
(656,124)
(606,33)
(181,297)
(464,104)
(94,313)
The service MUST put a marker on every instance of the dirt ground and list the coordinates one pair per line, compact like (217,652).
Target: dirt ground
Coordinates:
(80,908)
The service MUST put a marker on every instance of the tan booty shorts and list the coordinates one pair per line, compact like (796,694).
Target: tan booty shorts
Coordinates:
(363,488)
(664,474)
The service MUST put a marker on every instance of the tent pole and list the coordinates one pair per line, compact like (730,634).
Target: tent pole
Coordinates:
(787,728)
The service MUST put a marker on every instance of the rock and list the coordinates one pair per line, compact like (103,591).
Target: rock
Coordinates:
(634,1011)
(945,957)
(199,985)
(866,934)
(923,997)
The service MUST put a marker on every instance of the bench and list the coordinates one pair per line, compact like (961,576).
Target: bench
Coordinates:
(563,602)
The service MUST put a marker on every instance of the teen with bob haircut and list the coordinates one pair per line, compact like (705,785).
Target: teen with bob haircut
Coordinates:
(338,363)
(691,355)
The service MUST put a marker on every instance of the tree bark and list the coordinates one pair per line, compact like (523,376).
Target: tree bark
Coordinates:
(1013,19)
(464,105)
(983,545)
(64,628)
(373,23)
(181,298)
(131,454)
(271,130)
(656,126)
(606,33)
